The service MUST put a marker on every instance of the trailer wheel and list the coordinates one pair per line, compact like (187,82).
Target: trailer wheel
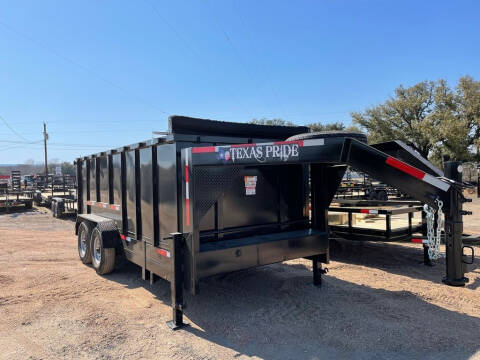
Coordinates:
(59,209)
(37,198)
(382,195)
(84,248)
(328,134)
(103,259)
(53,207)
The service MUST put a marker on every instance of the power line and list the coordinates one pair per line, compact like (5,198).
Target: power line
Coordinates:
(255,49)
(79,65)
(20,142)
(238,54)
(198,57)
(12,129)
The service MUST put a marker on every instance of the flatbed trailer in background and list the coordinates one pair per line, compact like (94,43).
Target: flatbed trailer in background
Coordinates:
(213,197)
(12,200)
(59,193)
(352,231)
(12,196)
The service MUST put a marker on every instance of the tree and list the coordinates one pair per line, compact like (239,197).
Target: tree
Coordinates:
(336,126)
(273,122)
(429,116)
(313,126)
(406,117)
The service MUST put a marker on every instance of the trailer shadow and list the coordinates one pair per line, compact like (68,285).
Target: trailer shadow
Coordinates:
(276,312)
(393,258)
(15,212)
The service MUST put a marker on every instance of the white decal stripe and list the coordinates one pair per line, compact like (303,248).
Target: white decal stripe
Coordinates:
(187,195)
(373,211)
(436,182)
(313,142)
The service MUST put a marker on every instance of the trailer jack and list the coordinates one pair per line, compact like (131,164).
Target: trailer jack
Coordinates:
(317,271)
(177,282)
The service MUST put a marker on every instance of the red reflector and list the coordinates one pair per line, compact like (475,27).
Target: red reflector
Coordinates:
(123,237)
(417,240)
(242,145)
(163,252)
(186,173)
(299,142)
(365,211)
(206,149)
(400,165)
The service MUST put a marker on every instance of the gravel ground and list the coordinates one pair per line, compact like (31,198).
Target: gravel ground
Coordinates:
(377,301)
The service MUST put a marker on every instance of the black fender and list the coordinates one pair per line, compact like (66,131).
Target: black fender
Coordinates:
(107,227)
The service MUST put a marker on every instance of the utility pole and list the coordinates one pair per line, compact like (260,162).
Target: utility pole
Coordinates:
(45,138)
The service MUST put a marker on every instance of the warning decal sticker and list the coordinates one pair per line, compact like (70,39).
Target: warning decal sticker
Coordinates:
(250,185)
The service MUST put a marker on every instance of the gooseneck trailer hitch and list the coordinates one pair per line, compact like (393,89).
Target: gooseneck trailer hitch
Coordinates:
(327,158)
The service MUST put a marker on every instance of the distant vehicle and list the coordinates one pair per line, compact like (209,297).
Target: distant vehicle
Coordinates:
(4,181)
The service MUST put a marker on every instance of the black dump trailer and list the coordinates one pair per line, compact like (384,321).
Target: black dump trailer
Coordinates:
(212,197)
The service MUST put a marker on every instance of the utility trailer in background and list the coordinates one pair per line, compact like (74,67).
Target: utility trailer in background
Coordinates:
(213,197)
(59,193)
(13,198)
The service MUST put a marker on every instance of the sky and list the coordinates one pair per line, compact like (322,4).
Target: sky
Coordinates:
(102,74)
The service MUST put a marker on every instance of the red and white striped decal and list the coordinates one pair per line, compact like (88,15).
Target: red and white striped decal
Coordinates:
(300,143)
(416,173)
(104,205)
(419,241)
(163,252)
(126,238)
(187,191)
(369,211)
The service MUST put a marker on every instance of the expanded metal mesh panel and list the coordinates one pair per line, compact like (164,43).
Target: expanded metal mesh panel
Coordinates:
(210,183)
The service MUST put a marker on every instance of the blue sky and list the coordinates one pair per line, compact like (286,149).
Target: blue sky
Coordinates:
(103,74)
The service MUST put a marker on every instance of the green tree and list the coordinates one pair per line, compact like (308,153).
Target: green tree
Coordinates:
(336,126)
(430,116)
(272,122)
(313,126)
(405,116)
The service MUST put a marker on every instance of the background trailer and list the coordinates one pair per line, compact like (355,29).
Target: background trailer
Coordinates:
(213,197)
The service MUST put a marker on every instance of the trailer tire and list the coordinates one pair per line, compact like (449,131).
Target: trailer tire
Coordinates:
(59,209)
(53,207)
(328,134)
(382,195)
(103,259)
(37,198)
(28,205)
(84,248)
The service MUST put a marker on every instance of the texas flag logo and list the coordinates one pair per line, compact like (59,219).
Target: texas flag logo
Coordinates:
(224,154)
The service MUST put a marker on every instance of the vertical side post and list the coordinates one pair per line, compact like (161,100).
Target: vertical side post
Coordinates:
(454,229)
(350,222)
(478,180)
(410,217)
(45,138)
(317,275)
(388,226)
(176,282)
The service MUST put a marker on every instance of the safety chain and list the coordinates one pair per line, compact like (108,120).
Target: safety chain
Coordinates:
(434,235)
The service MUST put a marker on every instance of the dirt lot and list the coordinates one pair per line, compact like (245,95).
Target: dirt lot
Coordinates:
(378,300)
